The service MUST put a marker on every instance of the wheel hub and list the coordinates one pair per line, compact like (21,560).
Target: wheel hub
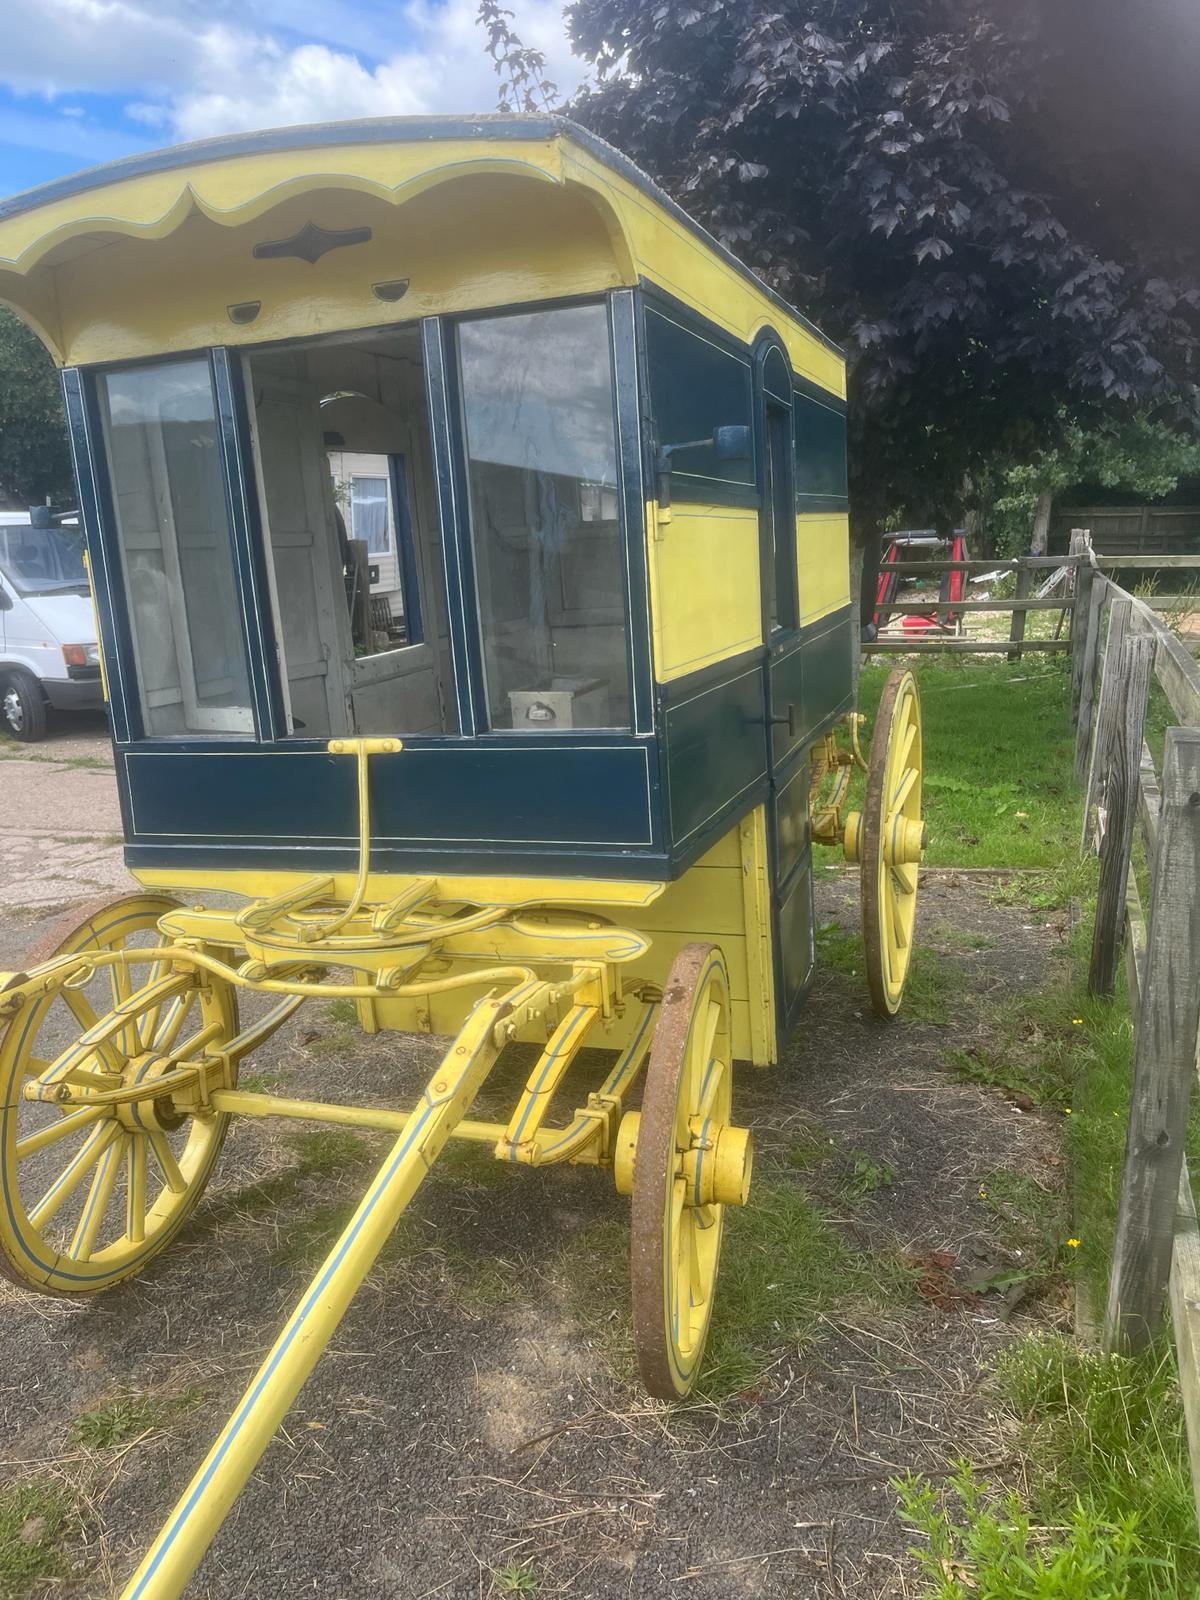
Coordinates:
(14,712)
(148,1112)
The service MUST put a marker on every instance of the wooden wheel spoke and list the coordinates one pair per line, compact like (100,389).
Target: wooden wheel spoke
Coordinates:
(135,1191)
(898,928)
(718,1071)
(80,1007)
(167,1164)
(903,789)
(65,1185)
(95,1206)
(71,1123)
(172,1025)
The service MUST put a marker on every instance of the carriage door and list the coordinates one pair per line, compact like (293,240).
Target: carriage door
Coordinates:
(791,892)
(311,617)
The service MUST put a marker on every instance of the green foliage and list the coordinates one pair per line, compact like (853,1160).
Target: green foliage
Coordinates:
(1139,454)
(889,168)
(988,1549)
(35,460)
(517,1577)
(130,1413)
(1107,1432)
(342,1011)
(35,1516)
(783,1266)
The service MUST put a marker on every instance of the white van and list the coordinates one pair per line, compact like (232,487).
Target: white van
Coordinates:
(48,652)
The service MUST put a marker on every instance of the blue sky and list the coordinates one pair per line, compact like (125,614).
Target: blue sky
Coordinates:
(86,81)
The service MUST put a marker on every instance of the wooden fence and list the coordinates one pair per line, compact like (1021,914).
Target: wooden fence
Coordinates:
(1121,646)
(1030,571)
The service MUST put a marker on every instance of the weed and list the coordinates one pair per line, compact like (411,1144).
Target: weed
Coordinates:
(328,1150)
(127,1414)
(1107,1432)
(342,1011)
(809,1149)
(341,1043)
(260,1082)
(518,1577)
(981,1544)
(35,1517)
(866,1176)
(1031,1221)
(465,1164)
(997,761)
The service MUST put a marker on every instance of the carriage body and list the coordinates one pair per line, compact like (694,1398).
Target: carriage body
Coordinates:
(491,332)
(468,537)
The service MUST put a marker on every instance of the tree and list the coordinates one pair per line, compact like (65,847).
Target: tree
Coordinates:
(894,170)
(35,460)
(1135,453)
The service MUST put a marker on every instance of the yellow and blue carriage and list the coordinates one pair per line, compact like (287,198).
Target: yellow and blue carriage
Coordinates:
(468,536)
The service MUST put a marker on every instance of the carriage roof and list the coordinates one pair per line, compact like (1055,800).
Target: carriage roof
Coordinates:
(162,251)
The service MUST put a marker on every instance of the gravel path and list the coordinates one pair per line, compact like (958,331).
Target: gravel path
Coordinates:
(476,1413)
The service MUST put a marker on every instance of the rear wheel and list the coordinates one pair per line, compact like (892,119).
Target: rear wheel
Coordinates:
(892,840)
(22,706)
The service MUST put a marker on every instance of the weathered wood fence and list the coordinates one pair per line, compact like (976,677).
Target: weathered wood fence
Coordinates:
(1121,647)
(1074,601)
(1030,571)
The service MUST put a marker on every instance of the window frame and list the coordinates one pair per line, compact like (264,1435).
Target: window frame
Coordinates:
(768,400)
(90,448)
(625,399)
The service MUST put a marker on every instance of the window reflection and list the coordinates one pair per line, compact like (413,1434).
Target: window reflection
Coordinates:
(168,489)
(541,449)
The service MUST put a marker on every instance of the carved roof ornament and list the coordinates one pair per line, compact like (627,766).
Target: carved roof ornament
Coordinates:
(311,243)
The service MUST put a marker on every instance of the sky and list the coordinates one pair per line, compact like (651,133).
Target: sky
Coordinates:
(87,81)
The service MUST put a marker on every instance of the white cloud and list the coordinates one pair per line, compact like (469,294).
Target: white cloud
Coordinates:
(245,66)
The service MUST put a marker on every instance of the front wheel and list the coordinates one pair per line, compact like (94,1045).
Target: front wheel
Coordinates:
(689,1163)
(91,1193)
(22,707)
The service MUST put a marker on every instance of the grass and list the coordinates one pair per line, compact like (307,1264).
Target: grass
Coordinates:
(1106,1509)
(784,1265)
(129,1414)
(36,1517)
(998,786)
(933,981)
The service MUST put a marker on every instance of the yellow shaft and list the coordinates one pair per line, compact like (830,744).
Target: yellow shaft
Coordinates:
(192,1525)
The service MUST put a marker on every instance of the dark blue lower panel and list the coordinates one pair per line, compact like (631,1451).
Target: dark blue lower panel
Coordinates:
(715,751)
(466,807)
(794,944)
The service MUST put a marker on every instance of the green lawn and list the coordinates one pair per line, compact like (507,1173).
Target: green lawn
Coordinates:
(999,749)
(1100,1506)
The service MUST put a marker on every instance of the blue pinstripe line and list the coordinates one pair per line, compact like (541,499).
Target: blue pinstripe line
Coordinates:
(101,1167)
(613,1083)
(301,1314)
(580,1013)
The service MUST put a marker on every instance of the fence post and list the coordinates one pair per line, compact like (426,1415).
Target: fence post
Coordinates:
(1164,1060)
(1017,631)
(1119,614)
(1118,774)
(1091,653)
(1084,572)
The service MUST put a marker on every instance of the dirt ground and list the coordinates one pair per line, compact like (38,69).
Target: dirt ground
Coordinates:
(476,1429)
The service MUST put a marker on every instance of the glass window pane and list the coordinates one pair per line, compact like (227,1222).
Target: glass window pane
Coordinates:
(176,553)
(369,513)
(542,458)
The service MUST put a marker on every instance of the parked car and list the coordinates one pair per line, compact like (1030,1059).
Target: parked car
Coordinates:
(48,651)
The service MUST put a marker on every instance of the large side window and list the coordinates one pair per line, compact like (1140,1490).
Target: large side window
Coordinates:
(697,386)
(538,417)
(176,551)
(778,514)
(820,436)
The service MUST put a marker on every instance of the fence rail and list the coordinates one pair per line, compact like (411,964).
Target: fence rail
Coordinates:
(1082,582)
(1121,645)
